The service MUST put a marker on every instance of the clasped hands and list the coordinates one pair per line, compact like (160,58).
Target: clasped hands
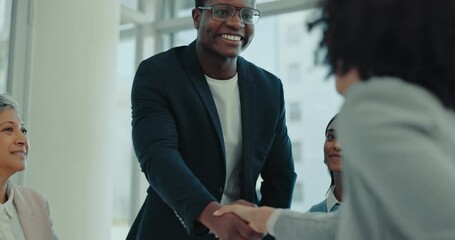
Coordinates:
(241,220)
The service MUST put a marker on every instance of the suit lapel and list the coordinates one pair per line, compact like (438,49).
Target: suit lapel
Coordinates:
(194,71)
(247,90)
(25,213)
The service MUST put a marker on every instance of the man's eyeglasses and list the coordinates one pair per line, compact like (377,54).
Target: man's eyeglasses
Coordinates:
(224,12)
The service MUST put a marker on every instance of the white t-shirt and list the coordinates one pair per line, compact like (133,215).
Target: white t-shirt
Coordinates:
(227,101)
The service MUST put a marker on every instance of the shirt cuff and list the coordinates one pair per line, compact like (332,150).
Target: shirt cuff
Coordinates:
(272,220)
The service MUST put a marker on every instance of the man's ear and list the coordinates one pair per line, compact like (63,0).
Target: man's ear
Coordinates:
(196,13)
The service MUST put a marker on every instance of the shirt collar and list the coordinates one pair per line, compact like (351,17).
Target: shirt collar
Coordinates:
(331,199)
(9,205)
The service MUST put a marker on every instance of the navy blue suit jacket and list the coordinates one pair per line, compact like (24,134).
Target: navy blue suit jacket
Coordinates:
(178,141)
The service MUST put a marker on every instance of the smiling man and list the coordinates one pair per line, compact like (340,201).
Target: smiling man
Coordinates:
(206,123)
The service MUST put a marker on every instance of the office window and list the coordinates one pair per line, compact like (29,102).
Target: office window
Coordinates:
(133,4)
(297,151)
(122,164)
(294,34)
(294,112)
(264,1)
(309,105)
(5,35)
(183,8)
(183,37)
(298,193)
(294,74)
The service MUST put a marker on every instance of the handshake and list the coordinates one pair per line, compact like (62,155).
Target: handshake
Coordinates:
(239,220)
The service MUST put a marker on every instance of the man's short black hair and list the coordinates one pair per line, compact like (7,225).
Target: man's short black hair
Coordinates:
(199,3)
(411,40)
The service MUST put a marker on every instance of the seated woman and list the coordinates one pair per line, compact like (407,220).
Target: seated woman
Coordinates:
(24,213)
(332,159)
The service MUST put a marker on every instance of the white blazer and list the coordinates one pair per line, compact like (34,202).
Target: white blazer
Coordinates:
(33,212)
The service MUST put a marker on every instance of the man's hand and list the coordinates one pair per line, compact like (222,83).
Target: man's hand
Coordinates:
(228,226)
(255,217)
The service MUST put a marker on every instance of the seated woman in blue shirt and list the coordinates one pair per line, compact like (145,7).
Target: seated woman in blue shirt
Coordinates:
(332,159)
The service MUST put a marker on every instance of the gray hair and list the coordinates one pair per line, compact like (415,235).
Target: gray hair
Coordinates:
(6,102)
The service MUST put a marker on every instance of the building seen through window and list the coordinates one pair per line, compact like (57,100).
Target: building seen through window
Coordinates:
(297,150)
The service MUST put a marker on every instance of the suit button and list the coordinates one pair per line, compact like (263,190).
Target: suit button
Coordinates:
(220,190)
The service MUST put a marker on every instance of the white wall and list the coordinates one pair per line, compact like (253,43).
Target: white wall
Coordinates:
(71,104)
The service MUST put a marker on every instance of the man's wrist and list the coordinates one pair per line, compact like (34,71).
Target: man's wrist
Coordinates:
(206,215)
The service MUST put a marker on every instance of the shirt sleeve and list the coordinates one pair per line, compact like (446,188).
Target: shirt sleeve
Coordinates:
(291,225)
(272,220)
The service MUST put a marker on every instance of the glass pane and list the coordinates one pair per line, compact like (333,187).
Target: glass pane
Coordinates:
(264,1)
(122,164)
(183,8)
(283,46)
(5,34)
(133,4)
(184,37)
